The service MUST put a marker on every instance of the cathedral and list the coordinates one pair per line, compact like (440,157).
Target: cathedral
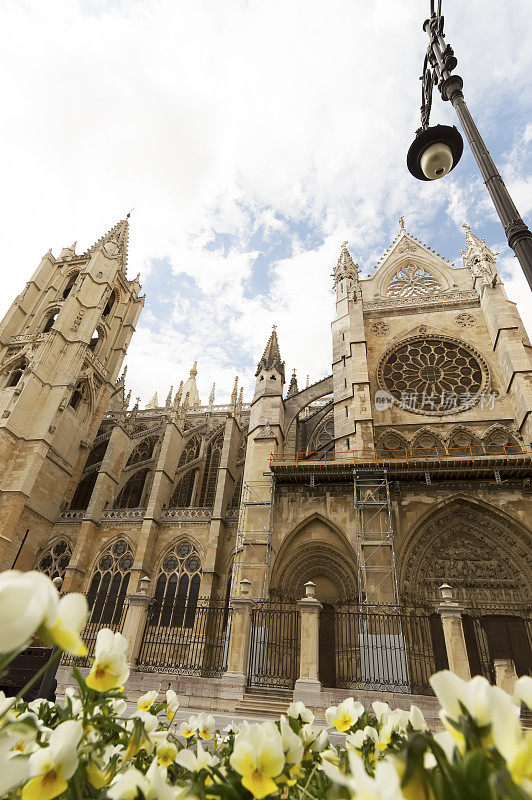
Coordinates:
(201,530)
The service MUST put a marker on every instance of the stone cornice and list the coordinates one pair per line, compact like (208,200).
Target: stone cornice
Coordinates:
(456,299)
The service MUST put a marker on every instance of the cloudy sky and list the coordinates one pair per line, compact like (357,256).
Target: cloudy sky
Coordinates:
(250,138)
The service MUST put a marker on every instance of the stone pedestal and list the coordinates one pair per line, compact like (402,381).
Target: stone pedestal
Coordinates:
(237,662)
(307,688)
(505,674)
(451,617)
(135,621)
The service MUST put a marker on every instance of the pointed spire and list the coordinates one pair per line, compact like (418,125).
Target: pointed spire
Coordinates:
(126,400)
(346,267)
(308,382)
(115,241)
(480,258)
(292,389)
(212,395)
(238,412)
(178,396)
(169,398)
(154,402)
(271,358)
(190,387)
(234,393)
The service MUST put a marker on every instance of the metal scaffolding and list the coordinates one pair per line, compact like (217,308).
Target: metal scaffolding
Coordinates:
(377,574)
(253,540)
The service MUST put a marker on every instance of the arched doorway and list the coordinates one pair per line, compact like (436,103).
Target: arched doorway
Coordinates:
(318,551)
(482,554)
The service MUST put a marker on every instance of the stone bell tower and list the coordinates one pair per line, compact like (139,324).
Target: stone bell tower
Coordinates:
(62,344)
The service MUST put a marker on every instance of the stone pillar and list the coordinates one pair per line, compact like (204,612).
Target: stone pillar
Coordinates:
(308,687)
(451,617)
(236,675)
(135,621)
(505,674)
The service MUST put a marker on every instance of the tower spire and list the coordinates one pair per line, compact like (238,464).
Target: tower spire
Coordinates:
(115,241)
(190,387)
(292,389)
(345,267)
(479,258)
(271,358)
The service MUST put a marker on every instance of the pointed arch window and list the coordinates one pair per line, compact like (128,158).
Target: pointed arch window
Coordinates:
(49,322)
(235,503)
(108,586)
(77,395)
(95,339)
(191,451)
(55,559)
(131,494)
(177,588)
(109,305)
(17,373)
(97,453)
(184,491)
(210,473)
(71,281)
(83,493)
(143,451)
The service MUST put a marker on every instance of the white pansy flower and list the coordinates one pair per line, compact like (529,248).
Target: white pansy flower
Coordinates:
(165,749)
(25,598)
(205,725)
(381,711)
(345,715)
(322,741)
(258,757)
(292,744)
(299,711)
(153,785)
(64,621)
(146,701)
(356,740)
(150,721)
(51,767)
(14,770)
(523,691)
(75,702)
(416,719)
(172,704)
(110,669)
(196,762)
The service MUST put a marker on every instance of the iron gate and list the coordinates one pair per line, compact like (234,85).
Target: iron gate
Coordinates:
(193,642)
(377,648)
(274,648)
(498,632)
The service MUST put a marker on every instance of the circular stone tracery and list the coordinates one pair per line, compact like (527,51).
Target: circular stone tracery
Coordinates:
(433,375)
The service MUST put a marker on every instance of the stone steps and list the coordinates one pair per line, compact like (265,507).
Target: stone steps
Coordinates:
(264,702)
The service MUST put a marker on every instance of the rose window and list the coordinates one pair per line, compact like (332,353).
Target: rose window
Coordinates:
(55,559)
(412,281)
(433,375)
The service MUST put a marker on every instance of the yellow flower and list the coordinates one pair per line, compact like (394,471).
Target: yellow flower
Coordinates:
(52,766)
(259,758)
(166,751)
(186,729)
(110,669)
(172,704)
(345,715)
(147,700)
(205,725)
(65,621)
(194,763)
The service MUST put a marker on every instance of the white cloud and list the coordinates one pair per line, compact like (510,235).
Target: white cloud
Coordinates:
(234,118)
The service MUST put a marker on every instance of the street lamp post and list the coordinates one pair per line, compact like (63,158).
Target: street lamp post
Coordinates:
(435,151)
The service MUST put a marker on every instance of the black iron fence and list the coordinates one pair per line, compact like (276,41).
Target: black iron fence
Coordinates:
(89,634)
(498,632)
(380,648)
(274,647)
(192,643)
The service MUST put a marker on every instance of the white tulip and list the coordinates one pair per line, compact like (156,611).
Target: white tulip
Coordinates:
(52,766)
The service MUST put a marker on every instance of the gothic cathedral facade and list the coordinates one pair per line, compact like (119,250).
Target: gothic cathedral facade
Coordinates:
(407,467)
